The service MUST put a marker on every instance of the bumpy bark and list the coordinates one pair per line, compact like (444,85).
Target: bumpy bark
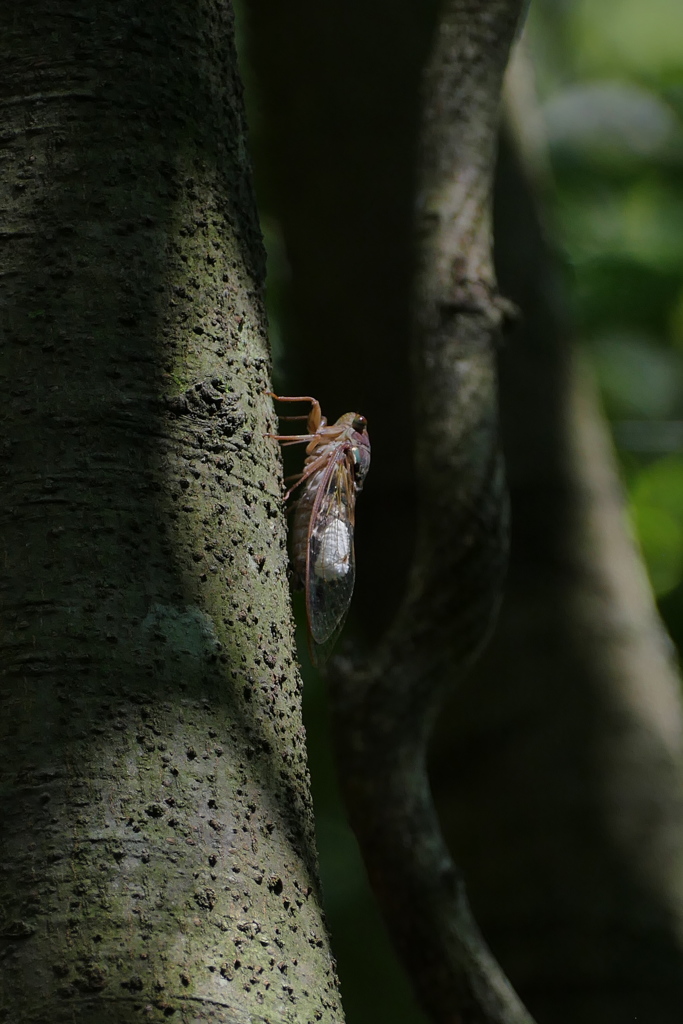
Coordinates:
(157,850)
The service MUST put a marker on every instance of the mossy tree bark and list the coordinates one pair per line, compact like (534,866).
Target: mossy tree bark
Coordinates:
(157,848)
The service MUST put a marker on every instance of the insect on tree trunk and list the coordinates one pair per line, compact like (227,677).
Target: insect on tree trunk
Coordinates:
(323,519)
(157,845)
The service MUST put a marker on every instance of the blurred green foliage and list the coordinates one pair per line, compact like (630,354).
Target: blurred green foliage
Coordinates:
(610,75)
(657,510)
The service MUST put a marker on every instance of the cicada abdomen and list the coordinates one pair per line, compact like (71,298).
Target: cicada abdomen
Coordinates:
(323,559)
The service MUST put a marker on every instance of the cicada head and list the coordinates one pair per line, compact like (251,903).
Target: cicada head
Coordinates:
(361,464)
(360,452)
(357,446)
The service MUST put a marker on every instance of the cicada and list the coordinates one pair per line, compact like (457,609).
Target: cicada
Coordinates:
(336,464)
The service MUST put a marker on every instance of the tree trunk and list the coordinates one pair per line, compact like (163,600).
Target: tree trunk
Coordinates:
(157,845)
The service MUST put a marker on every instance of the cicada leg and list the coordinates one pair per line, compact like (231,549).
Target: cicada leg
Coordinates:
(315,416)
(312,468)
(291,438)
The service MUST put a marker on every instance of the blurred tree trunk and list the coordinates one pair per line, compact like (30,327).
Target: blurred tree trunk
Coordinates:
(157,847)
(559,769)
(559,766)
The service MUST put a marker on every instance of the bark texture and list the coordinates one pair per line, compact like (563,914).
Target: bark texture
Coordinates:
(157,850)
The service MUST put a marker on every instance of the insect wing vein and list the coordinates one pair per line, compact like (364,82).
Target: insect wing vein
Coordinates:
(330,562)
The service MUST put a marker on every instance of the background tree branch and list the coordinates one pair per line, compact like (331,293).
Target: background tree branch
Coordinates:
(563,749)
(383,712)
(520,769)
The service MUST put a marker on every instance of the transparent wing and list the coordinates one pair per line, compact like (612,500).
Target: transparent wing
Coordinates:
(330,561)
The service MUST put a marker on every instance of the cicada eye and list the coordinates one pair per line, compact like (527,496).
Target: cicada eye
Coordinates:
(359,423)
